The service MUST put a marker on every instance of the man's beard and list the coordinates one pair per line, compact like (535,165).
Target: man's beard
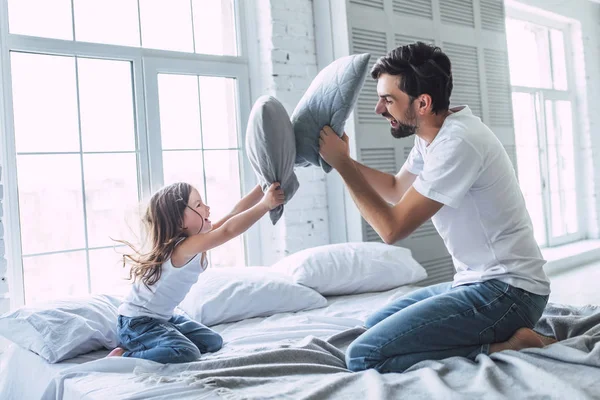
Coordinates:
(405,129)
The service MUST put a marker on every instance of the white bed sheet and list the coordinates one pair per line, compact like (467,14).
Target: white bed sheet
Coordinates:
(94,377)
(25,375)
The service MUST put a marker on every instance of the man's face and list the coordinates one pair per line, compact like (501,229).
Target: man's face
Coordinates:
(396,106)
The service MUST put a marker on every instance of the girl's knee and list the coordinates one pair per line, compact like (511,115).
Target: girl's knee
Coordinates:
(215,344)
(185,354)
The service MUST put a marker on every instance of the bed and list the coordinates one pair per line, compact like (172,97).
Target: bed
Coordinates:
(300,355)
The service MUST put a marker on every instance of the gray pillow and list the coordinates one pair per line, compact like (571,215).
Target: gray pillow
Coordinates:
(328,101)
(271,148)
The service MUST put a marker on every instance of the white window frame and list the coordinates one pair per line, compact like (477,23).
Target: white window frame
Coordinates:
(145,62)
(515,11)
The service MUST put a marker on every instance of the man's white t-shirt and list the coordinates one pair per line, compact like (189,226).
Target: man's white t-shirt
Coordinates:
(484,222)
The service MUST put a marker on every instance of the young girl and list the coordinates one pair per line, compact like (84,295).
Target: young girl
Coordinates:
(180,234)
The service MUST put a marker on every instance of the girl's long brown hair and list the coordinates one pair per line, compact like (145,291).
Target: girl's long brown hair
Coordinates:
(163,221)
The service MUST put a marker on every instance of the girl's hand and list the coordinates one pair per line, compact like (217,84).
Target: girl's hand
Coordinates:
(231,228)
(274,196)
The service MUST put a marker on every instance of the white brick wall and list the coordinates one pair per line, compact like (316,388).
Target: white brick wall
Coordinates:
(288,64)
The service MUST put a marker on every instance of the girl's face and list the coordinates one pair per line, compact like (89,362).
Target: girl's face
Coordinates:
(195,216)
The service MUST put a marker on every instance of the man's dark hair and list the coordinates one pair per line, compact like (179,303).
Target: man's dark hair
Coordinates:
(424,69)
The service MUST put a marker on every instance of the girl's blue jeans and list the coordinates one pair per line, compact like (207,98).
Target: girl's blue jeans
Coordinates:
(177,340)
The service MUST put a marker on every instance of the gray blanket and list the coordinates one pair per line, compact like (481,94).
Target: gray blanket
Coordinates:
(315,369)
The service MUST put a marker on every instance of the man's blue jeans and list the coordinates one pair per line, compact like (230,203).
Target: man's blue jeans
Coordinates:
(439,321)
(178,340)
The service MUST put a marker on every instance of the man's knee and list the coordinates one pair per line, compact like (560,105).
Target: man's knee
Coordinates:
(361,356)
(373,320)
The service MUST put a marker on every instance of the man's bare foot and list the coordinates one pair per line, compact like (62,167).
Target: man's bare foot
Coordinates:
(522,339)
(117,352)
(547,340)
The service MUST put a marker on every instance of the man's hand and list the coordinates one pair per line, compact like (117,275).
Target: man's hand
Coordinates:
(333,149)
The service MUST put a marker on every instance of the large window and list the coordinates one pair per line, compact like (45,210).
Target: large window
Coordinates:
(106,101)
(544,97)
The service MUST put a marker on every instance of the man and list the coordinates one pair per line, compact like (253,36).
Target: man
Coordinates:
(459,175)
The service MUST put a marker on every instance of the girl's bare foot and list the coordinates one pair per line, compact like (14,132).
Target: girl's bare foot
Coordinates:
(117,352)
(547,340)
(522,339)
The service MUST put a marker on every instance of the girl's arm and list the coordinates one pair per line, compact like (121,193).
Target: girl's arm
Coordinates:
(231,228)
(247,202)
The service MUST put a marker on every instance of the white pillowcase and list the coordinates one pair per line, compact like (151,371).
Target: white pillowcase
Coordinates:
(351,268)
(233,294)
(63,329)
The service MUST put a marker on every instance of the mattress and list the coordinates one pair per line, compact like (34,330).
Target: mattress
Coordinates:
(25,375)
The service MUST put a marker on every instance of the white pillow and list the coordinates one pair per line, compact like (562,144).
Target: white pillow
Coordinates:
(233,294)
(63,329)
(351,268)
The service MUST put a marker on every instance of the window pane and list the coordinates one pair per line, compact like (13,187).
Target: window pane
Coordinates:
(108,276)
(557,221)
(111,193)
(184,166)
(559,131)
(54,276)
(167,24)
(107,21)
(528,54)
(553,150)
(571,218)
(106,103)
(219,112)
(527,143)
(45,103)
(45,18)
(561,166)
(535,208)
(214,27)
(223,192)
(566,143)
(559,65)
(179,111)
(50,203)
(528,161)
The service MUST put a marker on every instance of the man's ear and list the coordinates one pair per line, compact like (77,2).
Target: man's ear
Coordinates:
(424,104)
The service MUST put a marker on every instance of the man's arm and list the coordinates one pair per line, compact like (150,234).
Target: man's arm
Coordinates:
(392,223)
(388,186)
